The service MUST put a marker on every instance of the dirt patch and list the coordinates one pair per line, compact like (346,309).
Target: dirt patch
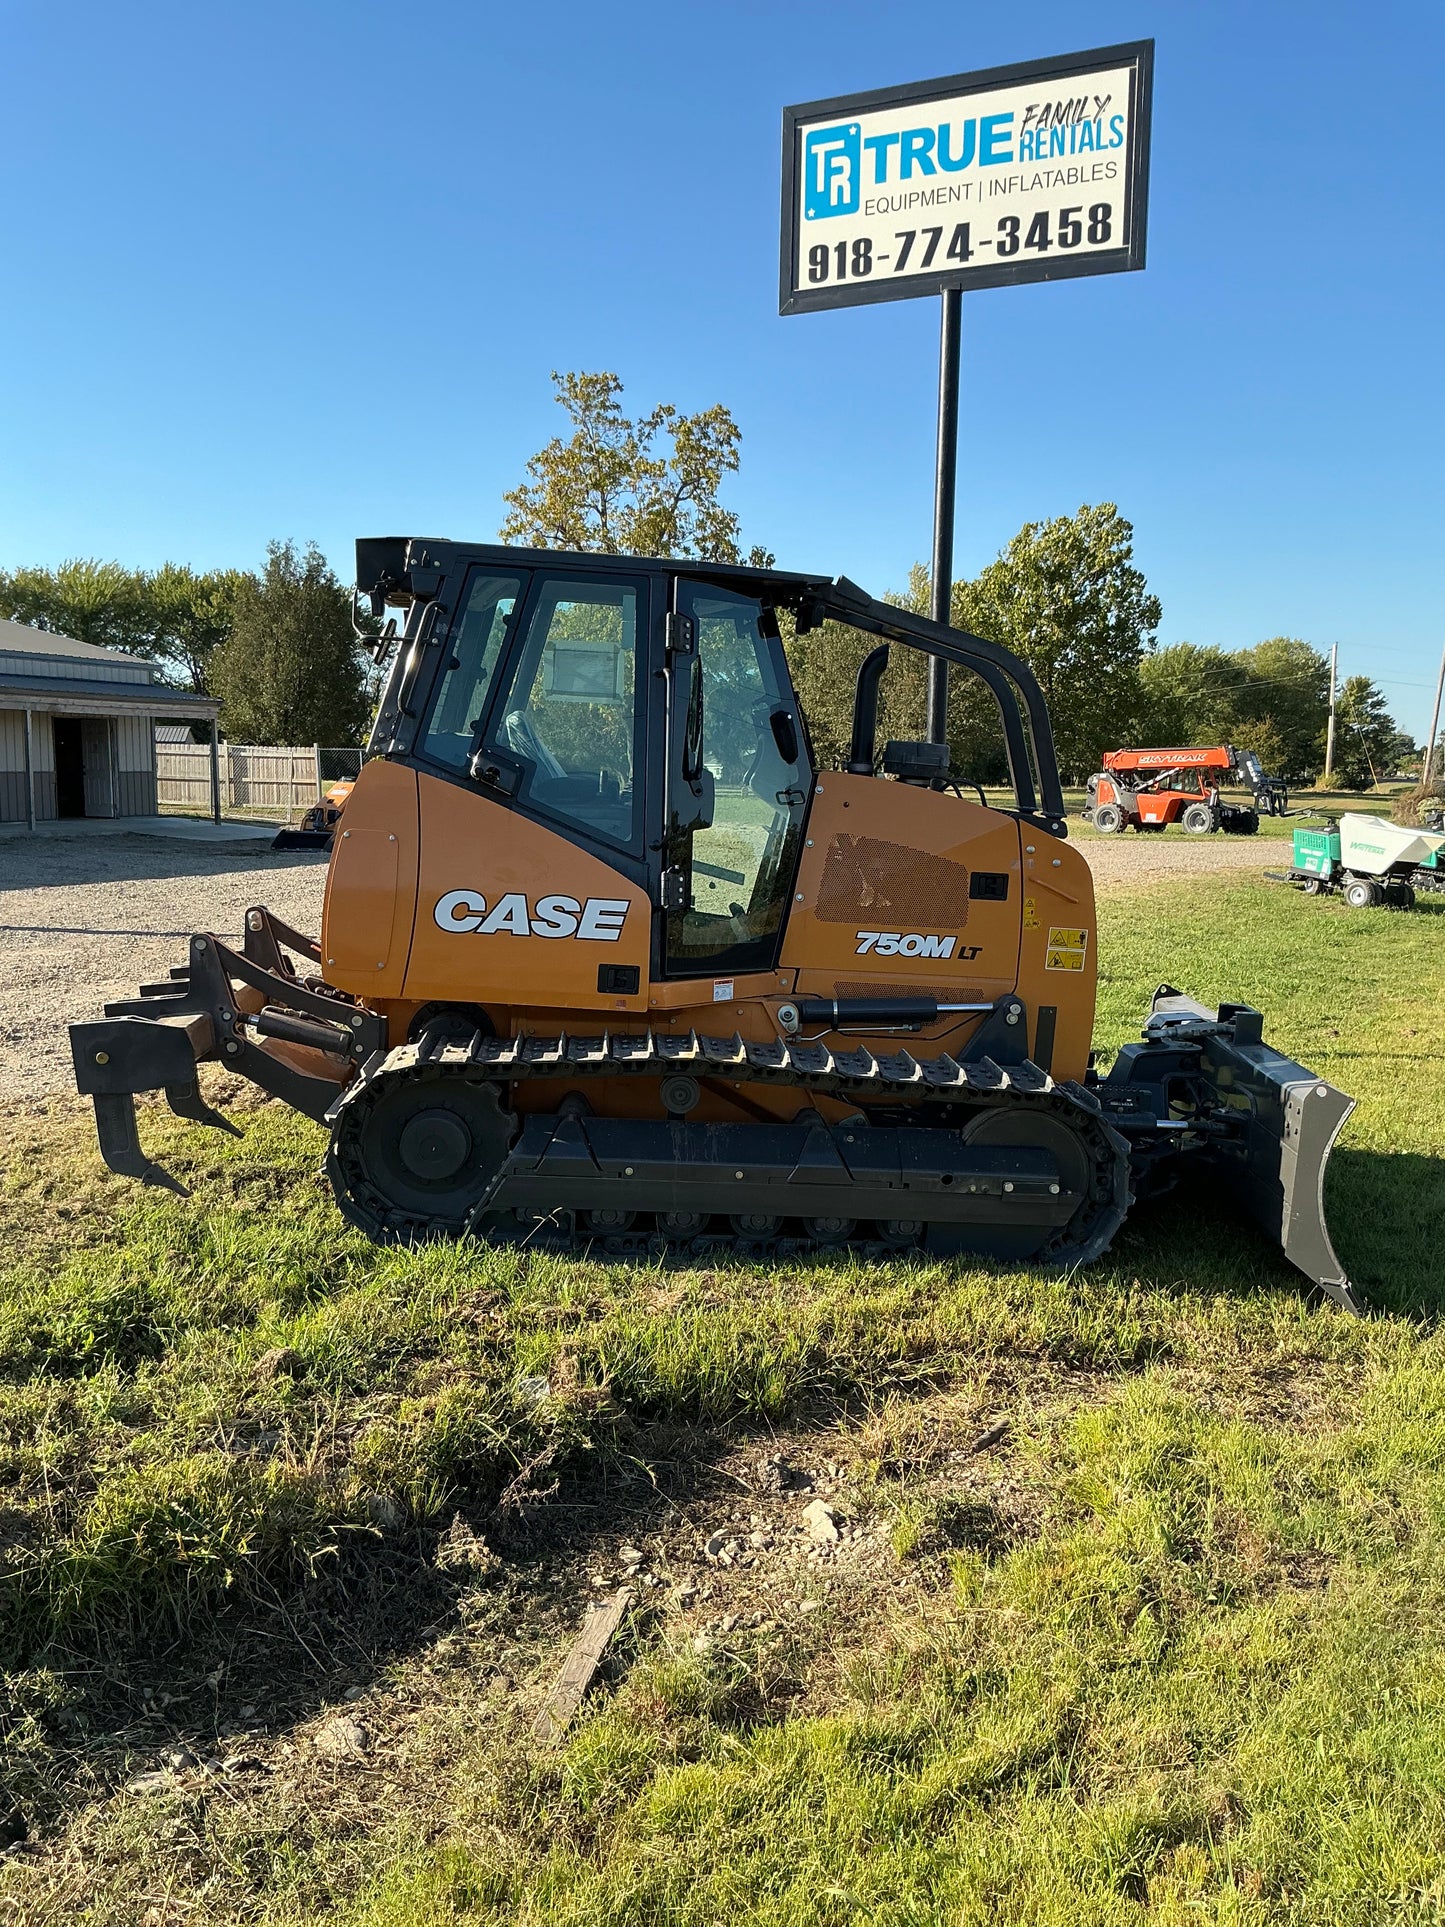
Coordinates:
(768,1560)
(82,923)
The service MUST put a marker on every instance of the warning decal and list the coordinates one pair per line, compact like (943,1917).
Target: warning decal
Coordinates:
(1066,949)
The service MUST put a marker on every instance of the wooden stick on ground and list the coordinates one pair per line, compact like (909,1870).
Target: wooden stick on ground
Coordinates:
(581,1663)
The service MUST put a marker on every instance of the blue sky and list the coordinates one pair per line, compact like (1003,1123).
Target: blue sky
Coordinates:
(303,269)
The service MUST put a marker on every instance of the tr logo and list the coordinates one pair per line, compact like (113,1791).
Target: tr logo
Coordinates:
(832,167)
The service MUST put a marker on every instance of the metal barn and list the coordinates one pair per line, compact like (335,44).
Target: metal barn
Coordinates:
(77,727)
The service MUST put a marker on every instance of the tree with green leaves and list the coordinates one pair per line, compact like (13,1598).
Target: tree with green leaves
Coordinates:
(1067,597)
(630,487)
(175,615)
(190,615)
(290,670)
(1191,695)
(96,602)
(1367,739)
(1287,685)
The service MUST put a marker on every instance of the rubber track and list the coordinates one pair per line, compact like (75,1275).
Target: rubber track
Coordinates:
(812,1069)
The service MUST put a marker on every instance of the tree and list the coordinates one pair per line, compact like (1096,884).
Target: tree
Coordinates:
(290,671)
(1066,596)
(1288,685)
(1367,740)
(190,615)
(1191,695)
(645,487)
(174,616)
(96,602)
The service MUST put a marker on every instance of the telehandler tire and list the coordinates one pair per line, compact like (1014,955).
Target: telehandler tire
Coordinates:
(1108,819)
(1198,819)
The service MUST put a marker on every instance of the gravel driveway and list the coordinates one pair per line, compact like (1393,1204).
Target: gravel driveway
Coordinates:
(1119,861)
(85,922)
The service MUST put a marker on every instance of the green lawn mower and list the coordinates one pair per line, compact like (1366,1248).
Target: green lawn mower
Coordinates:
(1370,861)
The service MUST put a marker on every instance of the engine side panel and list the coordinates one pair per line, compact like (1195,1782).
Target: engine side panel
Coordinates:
(510,912)
(905,889)
(371,885)
(886,901)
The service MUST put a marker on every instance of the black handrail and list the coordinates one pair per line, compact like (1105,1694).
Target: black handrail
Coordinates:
(1008,676)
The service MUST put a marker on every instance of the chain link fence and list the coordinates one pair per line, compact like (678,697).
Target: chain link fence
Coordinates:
(256,779)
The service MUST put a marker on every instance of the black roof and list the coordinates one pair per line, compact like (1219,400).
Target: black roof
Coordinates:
(384,560)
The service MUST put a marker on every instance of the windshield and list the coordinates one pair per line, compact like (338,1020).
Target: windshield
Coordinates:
(477,644)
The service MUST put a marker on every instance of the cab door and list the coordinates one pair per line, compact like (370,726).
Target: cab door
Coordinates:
(739,778)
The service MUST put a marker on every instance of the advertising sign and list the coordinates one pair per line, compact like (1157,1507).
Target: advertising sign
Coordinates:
(1026,173)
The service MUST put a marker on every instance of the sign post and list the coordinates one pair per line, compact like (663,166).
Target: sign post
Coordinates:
(1038,172)
(945,488)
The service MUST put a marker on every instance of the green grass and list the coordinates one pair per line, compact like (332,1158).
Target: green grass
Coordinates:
(1201,1681)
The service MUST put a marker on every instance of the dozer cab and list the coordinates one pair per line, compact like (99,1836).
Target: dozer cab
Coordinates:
(607,959)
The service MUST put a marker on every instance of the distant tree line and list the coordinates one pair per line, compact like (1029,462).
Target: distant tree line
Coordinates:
(276,647)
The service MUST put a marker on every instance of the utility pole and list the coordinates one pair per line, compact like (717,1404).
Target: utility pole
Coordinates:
(1330,733)
(1434,727)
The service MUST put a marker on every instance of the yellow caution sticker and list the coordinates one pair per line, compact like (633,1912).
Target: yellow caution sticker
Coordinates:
(1031,914)
(1067,948)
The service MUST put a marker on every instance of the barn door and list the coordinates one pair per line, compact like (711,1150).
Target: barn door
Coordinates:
(98,760)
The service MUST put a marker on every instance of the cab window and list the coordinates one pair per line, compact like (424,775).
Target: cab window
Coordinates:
(570,717)
(478,640)
(740,868)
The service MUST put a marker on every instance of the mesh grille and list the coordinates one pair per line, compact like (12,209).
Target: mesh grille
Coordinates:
(867,881)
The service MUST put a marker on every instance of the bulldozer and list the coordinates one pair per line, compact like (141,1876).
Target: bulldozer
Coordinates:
(607,960)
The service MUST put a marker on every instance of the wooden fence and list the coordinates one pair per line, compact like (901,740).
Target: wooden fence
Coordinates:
(259,777)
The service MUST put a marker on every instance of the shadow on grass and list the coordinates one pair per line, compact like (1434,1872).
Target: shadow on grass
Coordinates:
(112,1696)
(1386,1216)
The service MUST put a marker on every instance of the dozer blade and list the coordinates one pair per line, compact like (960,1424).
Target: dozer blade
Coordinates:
(1261,1116)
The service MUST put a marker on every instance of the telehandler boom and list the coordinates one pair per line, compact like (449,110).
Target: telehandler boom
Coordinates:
(606,958)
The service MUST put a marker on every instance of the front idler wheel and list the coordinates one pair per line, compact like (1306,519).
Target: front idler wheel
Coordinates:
(413,1157)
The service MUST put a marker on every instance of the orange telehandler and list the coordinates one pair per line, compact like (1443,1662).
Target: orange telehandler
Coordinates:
(608,958)
(1148,789)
